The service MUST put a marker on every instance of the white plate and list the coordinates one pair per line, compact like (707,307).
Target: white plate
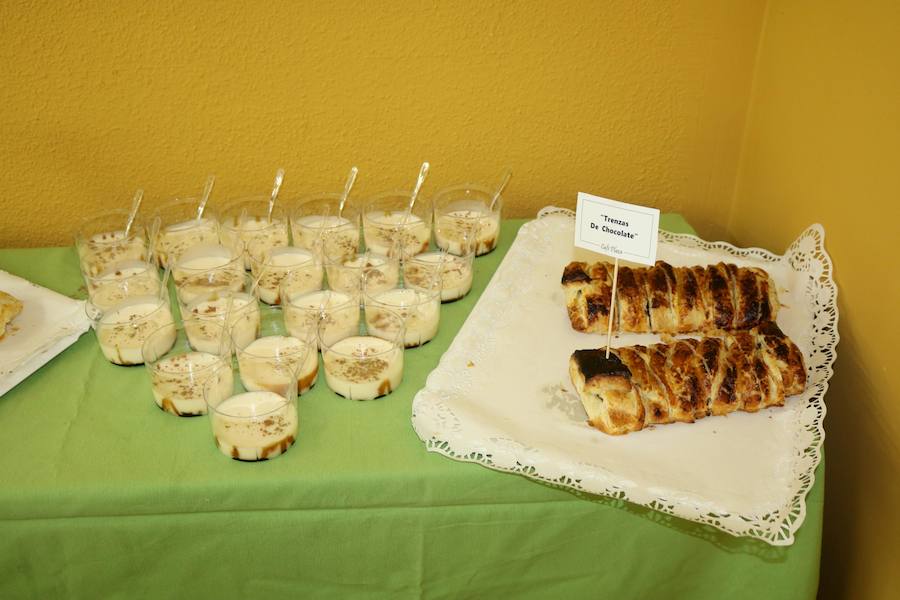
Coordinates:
(501,395)
(48,324)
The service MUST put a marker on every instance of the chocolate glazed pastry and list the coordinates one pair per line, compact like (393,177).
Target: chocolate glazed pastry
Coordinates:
(687,380)
(667,299)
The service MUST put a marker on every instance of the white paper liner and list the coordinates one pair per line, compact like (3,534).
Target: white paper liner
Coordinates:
(501,395)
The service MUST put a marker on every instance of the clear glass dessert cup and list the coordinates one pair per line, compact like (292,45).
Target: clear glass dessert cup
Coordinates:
(122,280)
(364,366)
(379,271)
(179,229)
(250,425)
(304,311)
(244,223)
(390,230)
(178,372)
(207,268)
(263,361)
(275,265)
(123,328)
(206,313)
(315,225)
(464,221)
(452,273)
(101,241)
(420,310)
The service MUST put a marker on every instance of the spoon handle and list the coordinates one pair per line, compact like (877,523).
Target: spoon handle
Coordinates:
(135,206)
(279,178)
(351,179)
(207,190)
(506,177)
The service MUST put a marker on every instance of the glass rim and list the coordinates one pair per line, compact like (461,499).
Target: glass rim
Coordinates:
(396,344)
(251,299)
(130,301)
(440,197)
(136,227)
(103,277)
(214,408)
(225,214)
(279,359)
(433,293)
(370,202)
(331,261)
(285,250)
(299,202)
(153,365)
(208,212)
(467,258)
(349,302)
(197,252)
(465,186)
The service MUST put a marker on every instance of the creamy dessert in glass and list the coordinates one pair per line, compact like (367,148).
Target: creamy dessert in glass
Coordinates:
(180,229)
(123,328)
(379,271)
(364,367)
(304,280)
(452,273)
(252,425)
(276,264)
(121,281)
(420,310)
(315,225)
(245,224)
(205,315)
(204,269)
(101,241)
(177,375)
(463,219)
(264,361)
(303,312)
(389,229)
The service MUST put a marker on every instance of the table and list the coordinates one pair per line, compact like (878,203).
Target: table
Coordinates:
(102,495)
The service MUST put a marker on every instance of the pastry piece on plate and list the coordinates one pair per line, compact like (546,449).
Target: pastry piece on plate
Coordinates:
(660,287)
(687,379)
(718,297)
(612,402)
(10,306)
(667,299)
(690,310)
(655,396)
(783,356)
(588,295)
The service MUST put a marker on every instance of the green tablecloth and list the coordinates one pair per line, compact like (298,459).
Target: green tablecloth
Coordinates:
(103,495)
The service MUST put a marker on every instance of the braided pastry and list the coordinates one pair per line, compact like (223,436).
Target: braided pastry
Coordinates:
(667,299)
(688,379)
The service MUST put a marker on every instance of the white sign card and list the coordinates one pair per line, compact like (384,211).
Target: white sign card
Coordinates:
(617,229)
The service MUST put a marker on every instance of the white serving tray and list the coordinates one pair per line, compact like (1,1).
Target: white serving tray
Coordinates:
(48,324)
(501,395)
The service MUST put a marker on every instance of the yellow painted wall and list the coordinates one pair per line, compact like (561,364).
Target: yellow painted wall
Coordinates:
(640,100)
(823,144)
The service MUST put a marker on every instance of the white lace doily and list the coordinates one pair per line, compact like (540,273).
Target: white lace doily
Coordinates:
(49,323)
(501,395)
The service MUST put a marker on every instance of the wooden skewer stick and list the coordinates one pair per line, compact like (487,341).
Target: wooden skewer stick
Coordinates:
(612,306)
